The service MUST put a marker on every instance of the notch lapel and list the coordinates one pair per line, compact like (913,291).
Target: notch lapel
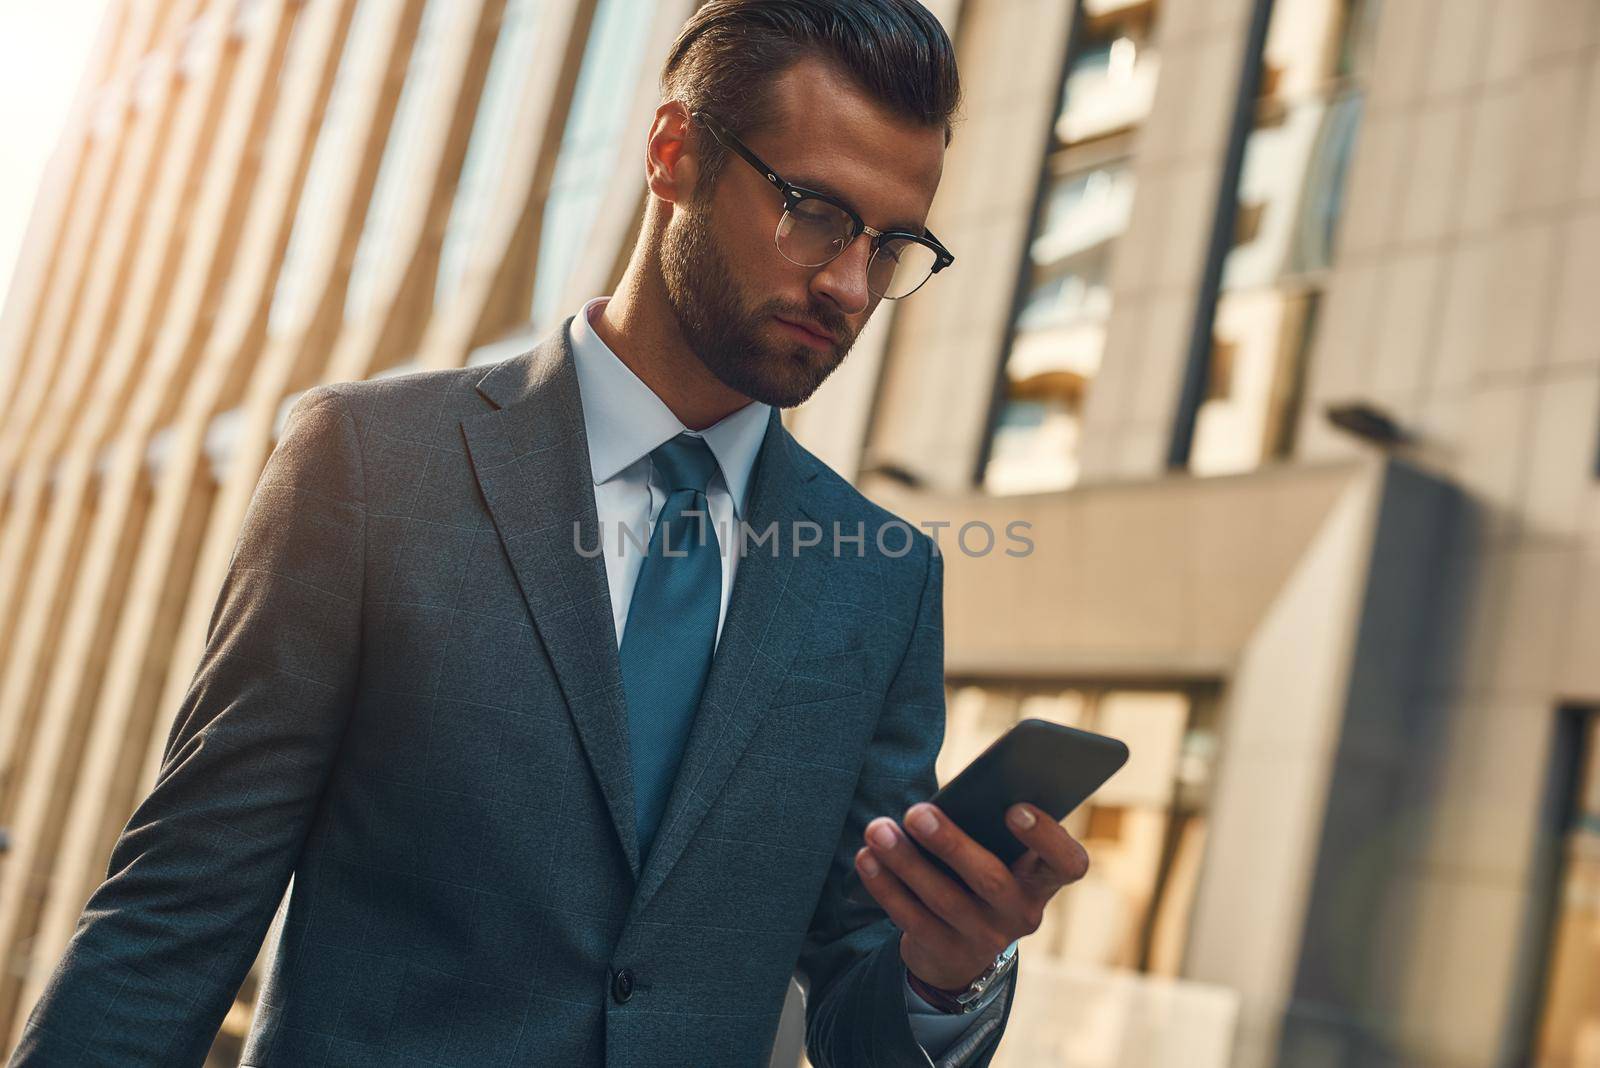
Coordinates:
(530,456)
(531,459)
(771,609)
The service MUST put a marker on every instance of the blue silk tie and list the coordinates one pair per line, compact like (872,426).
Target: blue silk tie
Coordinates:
(671,628)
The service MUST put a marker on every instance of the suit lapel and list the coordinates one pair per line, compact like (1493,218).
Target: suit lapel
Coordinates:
(531,460)
(770,610)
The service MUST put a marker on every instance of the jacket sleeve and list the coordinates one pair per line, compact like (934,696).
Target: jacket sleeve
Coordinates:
(855,1004)
(198,872)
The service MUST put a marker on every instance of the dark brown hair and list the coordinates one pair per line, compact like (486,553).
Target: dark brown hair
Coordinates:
(730,51)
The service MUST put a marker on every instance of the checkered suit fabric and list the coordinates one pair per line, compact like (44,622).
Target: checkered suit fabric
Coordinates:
(408,710)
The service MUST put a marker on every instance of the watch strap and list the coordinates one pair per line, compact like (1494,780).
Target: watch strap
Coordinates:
(939,998)
(972,997)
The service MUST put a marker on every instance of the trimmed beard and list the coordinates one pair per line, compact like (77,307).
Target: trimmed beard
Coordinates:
(732,343)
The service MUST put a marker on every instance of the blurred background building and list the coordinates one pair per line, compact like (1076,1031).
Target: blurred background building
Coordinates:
(1278,320)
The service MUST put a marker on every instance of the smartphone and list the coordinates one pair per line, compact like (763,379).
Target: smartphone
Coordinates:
(1050,766)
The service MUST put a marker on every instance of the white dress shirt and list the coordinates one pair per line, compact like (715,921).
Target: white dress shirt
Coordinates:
(624,420)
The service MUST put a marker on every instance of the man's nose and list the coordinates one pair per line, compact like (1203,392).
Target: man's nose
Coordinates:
(844,278)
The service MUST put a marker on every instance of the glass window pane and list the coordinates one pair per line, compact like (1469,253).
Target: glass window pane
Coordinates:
(398,169)
(1290,201)
(1569,1032)
(291,301)
(1112,80)
(591,146)
(1088,198)
(491,132)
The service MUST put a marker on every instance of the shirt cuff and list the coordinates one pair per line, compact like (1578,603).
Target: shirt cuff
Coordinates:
(936,1030)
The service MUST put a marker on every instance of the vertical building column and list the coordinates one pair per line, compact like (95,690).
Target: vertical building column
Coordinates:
(948,338)
(1157,265)
(236,181)
(835,422)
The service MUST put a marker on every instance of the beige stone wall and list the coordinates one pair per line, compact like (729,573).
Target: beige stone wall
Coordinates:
(1464,303)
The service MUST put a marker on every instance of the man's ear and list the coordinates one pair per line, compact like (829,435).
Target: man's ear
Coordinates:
(671,166)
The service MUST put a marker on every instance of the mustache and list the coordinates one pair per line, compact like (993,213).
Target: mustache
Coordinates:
(823,322)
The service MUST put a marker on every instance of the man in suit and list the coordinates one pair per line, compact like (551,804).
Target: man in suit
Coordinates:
(551,786)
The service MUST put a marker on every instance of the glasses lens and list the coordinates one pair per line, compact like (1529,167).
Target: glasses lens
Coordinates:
(813,232)
(899,267)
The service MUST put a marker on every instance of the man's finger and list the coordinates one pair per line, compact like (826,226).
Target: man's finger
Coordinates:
(979,868)
(904,907)
(1058,859)
(937,892)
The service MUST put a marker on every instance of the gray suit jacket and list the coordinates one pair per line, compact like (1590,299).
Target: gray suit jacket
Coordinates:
(410,700)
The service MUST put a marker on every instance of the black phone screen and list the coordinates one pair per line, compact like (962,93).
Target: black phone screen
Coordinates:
(1051,766)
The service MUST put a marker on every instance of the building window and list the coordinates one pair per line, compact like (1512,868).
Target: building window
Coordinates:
(590,149)
(397,173)
(1568,1027)
(1289,201)
(491,134)
(294,298)
(1084,205)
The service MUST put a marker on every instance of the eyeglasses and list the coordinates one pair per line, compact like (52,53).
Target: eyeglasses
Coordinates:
(817,226)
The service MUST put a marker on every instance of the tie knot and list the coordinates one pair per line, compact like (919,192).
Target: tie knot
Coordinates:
(685,462)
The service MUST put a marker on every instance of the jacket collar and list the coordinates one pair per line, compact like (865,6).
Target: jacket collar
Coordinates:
(530,459)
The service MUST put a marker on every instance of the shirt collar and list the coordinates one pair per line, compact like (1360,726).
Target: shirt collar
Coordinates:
(624,419)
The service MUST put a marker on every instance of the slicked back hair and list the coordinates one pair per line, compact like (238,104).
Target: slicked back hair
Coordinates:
(729,53)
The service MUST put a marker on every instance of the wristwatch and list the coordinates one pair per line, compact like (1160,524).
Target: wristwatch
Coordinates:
(964,1001)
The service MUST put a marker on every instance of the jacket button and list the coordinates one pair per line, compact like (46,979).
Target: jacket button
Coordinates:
(622,986)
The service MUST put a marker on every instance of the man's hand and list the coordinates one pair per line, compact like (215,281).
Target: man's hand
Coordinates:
(951,935)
